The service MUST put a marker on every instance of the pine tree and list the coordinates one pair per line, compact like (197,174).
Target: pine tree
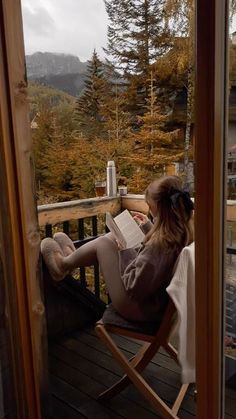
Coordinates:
(183,13)
(91,160)
(88,110)
(175,71)
(117,121)
(42,137)
(137,36)
(155,147)
(53,149)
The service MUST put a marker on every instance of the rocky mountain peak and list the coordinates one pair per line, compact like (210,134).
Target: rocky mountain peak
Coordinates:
(41,64)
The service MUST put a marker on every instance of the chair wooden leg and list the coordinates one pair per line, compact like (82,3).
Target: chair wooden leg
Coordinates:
(139,362)
(136,362)
(115,389)
(179,399)
(135,377)
(171,351)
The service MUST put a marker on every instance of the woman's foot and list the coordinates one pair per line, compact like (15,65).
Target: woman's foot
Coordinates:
(53,258)
(65,243)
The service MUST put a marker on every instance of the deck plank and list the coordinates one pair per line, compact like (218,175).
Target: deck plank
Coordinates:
(81,367)
(61,410)
(165,377)
(130,346)
(81,402)
(161,366)
(85,367)
(92,388)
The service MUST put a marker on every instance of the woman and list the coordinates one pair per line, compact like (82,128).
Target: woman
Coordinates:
(136,279)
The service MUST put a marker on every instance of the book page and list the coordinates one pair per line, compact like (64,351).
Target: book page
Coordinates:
(129,229)
(114,229)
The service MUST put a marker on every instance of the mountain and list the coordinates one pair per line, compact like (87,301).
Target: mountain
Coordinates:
(60,71)
(73,84)
(63,72)
(41,64)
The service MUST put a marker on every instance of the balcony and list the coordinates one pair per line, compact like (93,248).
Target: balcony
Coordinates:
(79,366)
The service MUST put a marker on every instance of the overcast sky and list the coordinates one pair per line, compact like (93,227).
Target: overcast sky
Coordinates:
(69,26)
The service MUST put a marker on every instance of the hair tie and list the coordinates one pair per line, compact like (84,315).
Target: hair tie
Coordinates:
(176,194)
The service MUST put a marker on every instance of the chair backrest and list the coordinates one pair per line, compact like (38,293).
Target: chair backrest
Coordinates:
(182,292)
(184,267)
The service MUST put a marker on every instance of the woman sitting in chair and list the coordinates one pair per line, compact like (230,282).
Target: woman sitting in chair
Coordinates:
(136,278)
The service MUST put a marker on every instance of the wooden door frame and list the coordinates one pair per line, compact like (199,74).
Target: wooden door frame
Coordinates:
(19,225)
(210,121)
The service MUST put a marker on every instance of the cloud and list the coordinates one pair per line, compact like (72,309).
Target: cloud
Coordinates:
(37,20)
(69,26)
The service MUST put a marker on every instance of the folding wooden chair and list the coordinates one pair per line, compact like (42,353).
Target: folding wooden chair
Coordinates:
(153,335)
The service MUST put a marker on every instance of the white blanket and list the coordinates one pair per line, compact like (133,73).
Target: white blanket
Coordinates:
(182,292)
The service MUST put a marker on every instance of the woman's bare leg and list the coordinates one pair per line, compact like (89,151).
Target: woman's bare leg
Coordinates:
(104,250)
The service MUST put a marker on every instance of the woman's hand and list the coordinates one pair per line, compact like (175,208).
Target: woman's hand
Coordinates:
(139,217)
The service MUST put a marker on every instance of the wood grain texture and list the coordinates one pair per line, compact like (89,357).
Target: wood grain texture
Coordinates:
(74,210)
(82,208)
(81,367)
(210,124)
(22,253)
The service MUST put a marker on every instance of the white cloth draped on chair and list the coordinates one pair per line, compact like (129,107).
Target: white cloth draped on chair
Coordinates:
(182,292)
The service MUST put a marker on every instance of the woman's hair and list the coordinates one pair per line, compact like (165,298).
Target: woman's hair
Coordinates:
(173,224)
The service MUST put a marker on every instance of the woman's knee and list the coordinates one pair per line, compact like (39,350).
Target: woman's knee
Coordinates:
(106,242)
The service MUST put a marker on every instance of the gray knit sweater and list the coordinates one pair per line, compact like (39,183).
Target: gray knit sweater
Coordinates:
(146,272)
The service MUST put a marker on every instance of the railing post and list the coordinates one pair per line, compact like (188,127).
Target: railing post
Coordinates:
(81,237)
(66,227)
(230,241)
(94,225)
(96,266)
(48,230)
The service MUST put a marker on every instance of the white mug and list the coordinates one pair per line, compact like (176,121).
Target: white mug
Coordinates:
(122,190)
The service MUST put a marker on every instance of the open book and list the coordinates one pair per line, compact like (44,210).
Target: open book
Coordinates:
(125,229)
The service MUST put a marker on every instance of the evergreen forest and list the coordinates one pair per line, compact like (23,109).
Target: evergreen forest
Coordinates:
(136,107)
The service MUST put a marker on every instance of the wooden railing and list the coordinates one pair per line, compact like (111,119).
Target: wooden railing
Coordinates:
(74,210)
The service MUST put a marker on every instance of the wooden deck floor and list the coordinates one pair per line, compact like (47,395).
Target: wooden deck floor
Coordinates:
(80,368)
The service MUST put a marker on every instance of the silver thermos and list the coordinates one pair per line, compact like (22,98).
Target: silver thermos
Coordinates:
(111,178)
